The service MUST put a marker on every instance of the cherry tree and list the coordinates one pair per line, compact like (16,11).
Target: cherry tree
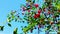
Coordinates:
(46,16)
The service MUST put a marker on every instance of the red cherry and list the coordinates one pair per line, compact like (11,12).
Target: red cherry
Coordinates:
(36,5)
(35,16)
(38,14)
(28,10)
(39,11)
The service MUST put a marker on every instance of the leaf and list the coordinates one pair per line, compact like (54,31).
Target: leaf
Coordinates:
(9,24)
(8,20)
(29,27)
(33,1)
(42,16)
(28,0)
(13,16)
(15,31)
(28,8)
(33,8)
(1,28)
(9,17)
(16,19)
(12,12)
(48,27)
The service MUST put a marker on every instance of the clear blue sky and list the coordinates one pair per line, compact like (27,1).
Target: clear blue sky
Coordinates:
(5,7)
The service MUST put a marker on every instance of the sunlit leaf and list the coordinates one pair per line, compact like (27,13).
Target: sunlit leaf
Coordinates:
(15,31)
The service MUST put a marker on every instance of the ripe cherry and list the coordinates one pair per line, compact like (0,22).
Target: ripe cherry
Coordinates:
(28,10)
(35,16)
(36,5)
(39,11)
(38,14)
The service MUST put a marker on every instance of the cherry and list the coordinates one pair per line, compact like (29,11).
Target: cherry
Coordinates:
(58,10)
(36,5)
(38,14)
(28,10)
(35,16)
(39,11)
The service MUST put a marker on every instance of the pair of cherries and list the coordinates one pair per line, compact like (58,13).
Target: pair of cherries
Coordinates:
(38,14)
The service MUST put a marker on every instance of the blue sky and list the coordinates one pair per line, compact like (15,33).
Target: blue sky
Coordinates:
(5,7)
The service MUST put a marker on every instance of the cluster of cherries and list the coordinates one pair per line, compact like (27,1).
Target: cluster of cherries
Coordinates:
(38,14)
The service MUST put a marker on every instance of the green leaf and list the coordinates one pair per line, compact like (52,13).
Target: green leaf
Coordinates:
(8,20)
(28,8)
(15,31)
(12,16)
(1,28)
(9,24)
(29,27)
(33,1)
(33,8)
(48,27)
